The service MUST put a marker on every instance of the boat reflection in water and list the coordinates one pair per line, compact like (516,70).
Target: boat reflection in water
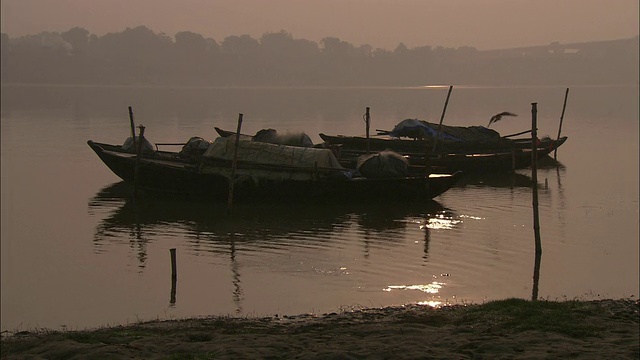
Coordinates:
(202,223)
(264,231)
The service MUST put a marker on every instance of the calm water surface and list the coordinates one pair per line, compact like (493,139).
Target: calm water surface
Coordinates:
(78,251)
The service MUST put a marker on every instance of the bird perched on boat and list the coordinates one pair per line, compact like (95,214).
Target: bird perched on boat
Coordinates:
(498,117)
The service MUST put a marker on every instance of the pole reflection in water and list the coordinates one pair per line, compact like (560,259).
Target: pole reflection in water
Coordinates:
(427,239)
(235,274)
(172,297)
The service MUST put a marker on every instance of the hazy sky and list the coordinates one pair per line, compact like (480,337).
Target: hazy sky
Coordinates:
(484,24)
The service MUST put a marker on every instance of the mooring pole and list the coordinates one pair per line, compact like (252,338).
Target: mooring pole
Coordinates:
(564,106)
(133,127)
(136,173)
(534,174)
(534,188)
(367,120)
(427,163)
(234,164)
(174,276)
(444,110)
(536,276)
(174,269)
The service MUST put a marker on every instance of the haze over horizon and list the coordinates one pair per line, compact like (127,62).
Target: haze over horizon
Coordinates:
(487,24)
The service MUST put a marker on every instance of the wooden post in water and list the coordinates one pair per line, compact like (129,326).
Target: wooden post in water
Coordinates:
(174,270)
(133,127)
(444,110)
(234,164)
(136,173)
(536,276)
(174,276)
(534,188)
(427,163)
(367,120)
(564,106)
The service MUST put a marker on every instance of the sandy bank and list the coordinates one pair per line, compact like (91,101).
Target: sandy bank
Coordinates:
(502,329)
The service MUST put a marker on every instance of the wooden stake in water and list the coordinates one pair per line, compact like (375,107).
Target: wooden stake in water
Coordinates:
(444,110)
(174,269)
(174,276)
(534,188)
(234,164)
(136,172)
(427,163)
(536,276)
(133,127)
(367,120)
(564,106)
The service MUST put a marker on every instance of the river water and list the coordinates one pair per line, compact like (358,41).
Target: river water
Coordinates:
(78,252)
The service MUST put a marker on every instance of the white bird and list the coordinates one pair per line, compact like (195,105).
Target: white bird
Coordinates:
(498,117)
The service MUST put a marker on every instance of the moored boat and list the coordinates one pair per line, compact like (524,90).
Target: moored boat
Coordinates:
(473,148)
(263,171)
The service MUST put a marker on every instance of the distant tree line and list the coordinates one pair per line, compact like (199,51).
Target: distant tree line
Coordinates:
(138,56)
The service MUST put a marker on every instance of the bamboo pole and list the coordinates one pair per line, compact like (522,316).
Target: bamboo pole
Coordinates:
(133,127)
(536,276)
(564,106)
(427,163)
(234,164)
(174,270)
(136,172)
(367,120)
(444,110)
(174,276)
(534,188)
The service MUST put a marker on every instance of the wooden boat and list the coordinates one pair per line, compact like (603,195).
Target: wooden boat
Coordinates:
(471,149)
(468,149)
(264,172)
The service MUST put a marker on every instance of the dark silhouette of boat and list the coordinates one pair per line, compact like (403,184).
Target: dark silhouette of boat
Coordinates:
(262,171)
(468,149)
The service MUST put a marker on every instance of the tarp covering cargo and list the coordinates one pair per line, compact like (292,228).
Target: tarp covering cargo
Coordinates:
(271,161)
(385,164)
(420,129)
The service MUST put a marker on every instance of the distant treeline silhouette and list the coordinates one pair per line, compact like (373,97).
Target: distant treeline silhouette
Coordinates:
(138,56)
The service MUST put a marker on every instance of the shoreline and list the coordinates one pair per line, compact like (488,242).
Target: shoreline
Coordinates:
(505,328)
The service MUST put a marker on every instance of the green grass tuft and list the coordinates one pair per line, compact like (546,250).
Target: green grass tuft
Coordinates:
(518,315)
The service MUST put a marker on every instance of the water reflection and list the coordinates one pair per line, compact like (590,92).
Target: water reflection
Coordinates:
(496,180)
(547,162)
(207,227)
(508,180)
(237,294)
(264,231)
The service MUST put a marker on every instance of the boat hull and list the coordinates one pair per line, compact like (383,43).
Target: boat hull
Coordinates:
(348,149)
